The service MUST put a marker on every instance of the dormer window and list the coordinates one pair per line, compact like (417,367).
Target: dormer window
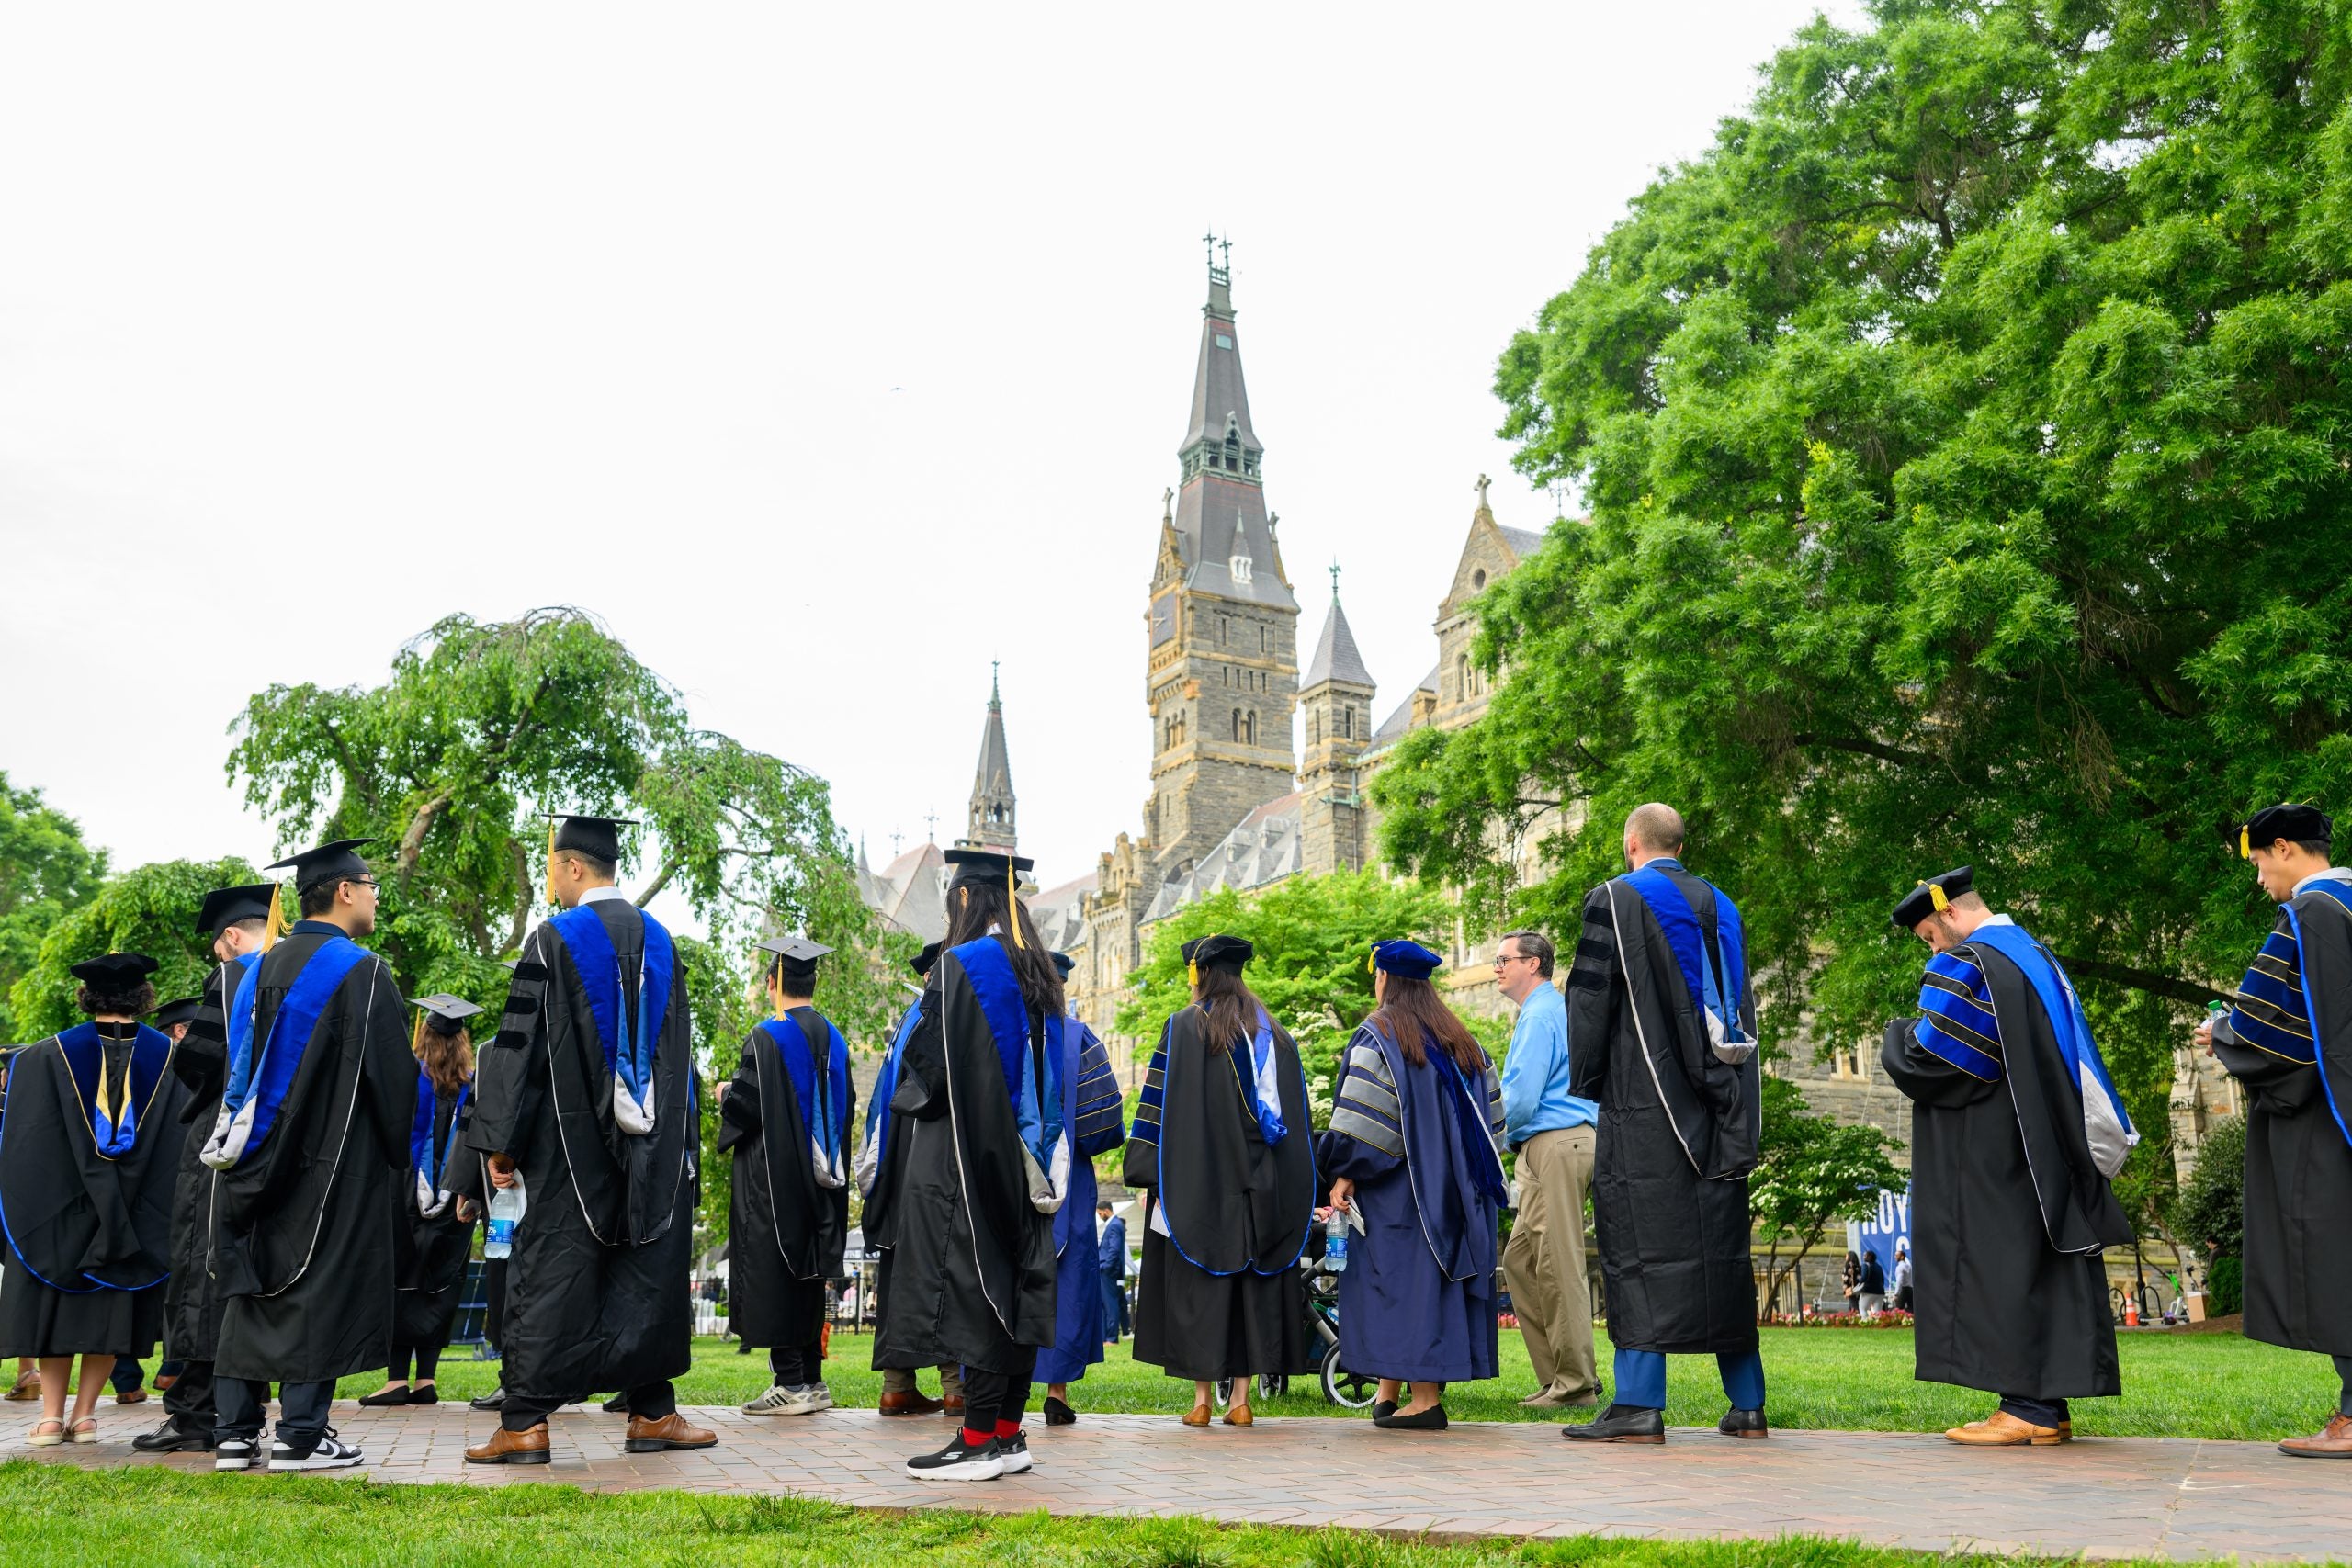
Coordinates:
(1241,564)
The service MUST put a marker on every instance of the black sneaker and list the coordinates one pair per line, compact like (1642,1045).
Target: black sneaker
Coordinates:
(956,1462)
(1014,1451)
(171,1437)
(330,1453)
(233,1453)
(494,1399)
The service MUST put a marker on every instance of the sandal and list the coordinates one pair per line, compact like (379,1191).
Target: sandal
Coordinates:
(27,1386)
(85,1430)
(40,1439)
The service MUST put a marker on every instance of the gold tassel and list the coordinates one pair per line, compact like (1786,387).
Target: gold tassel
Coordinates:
(416,1037)
(1012,903)
(1192,973)
(551,898)
(1371,961)
(1936,896)
(2246,841)
(276,926)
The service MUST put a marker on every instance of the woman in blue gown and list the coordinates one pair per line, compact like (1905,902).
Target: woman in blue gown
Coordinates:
(1416,1119)
(1092,1109)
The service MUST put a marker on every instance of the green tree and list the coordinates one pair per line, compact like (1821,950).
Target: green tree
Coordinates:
(1313,936)
(1964,437)
(484,727)
(1811,1172)
(46,871)
(2211,1215)
(151,910)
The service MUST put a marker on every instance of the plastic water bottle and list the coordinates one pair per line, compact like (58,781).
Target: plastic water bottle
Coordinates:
(505,1212)
(1335,1242)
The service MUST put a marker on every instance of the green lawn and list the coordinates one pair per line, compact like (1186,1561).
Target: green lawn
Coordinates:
(63,1516)
(2174,1385)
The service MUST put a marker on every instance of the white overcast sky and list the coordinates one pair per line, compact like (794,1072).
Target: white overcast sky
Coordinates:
(825,351)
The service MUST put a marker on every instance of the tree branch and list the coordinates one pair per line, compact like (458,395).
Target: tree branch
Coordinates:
(669,870)
(2166,986)
(522,898)
(1867,748)
(412,840)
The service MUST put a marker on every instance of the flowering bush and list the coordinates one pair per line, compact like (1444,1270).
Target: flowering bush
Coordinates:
(1887,1319)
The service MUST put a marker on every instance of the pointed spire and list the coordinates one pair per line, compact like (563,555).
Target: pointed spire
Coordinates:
(1336,658)
(1226,540)
(990,819)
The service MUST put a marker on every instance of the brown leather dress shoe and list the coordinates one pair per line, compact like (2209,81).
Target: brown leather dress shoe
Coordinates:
(1239,1417)
(2002,1430)
(669,1432)
(1197,1416)
(2331,1441)
(910,1402)
(952,1406)
(526,1447)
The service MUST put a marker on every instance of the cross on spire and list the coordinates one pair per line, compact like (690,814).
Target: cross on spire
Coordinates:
(994,699)
(1335,580)
(895,837)
(1483,482)
(1220,270)
(931,826)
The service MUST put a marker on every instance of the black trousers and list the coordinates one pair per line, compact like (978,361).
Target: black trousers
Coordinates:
(653,1401)
(127,1375)
(188,1402)
(427,1362)
(796,1366)
(493,1295)
(991,1399)
(2344,1370)
(301,1411)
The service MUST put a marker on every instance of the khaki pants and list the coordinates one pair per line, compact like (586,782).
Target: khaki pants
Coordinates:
(901,1380)
(1543,1262)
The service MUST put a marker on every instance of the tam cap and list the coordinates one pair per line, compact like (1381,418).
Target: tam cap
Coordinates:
(224,907)
(1215,952)
(115,969)
(2300,824)
(922,961)
(178,1011)
(331,862)
(1934,894)
(1409,959)
(1063,964)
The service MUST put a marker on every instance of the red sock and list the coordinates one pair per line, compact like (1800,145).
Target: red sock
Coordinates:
(1007,1429)
(974,1439)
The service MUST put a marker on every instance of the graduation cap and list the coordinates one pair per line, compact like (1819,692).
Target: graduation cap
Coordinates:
(2299,824)
(224,907)
(984,865)
(795,958)
(1063,964)
(922,961)
(1934,895)
(331,862)
(598,838)
(1215,952)
(179,1010)
(1409,959)
(119,970)
(445,1014)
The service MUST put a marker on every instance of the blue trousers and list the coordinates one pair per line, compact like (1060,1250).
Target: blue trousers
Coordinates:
(1641,1379)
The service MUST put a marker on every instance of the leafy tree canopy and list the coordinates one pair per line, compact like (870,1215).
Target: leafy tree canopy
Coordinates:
(1965,440)
(1812,1172)
(484,727)
(45,870)
(150,911)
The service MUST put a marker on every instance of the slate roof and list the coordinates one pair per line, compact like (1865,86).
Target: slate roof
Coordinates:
(1263,847)
(1060,913)
(910,893)
(1523,542)
(1336,658)
(1392,728)
(1218,389)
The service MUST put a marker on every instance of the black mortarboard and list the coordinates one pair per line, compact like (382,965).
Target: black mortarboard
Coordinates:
(331,862)
(984,865)
(1933,894)
(446,1014)
(796,956)
(180,1009)
(124,969)
(224,907)
(598,838)
(2301,824)
(922,961)
(1216,952)
(1064,963)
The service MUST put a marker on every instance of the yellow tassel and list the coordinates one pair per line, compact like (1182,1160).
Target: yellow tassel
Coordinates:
(1370,960)
(1936,896)
(551,898)
(1192,973)
(2245,842)
(276,926)
(1012,903)
(416,1038)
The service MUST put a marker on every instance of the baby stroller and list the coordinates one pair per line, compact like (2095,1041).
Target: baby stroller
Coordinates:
(1351,1390)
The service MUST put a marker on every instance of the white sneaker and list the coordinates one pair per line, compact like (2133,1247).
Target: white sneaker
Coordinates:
(333,1454)
(234,1454)
(777,1401)
(813,1398)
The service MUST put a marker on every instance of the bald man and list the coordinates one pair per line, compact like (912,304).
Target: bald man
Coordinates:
(1664,1022)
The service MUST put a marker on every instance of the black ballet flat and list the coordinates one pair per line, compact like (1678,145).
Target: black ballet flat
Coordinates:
(1429,1420)
(1058,1414)
(430,1395)
(384,1397)
(1383,1410)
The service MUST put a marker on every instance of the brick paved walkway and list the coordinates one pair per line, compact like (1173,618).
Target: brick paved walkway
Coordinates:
(2107,1497)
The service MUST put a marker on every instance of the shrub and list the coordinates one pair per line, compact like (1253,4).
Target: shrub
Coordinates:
(2210,1214)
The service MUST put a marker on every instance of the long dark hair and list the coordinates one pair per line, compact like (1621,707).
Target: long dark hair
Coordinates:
(1411,1011)
(1229,1005)
(974,907)
(447,1059)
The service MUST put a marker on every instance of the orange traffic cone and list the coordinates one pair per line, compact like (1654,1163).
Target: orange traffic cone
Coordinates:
(2132,1310)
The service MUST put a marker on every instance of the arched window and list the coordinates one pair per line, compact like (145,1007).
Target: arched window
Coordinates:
(1250,728)
(1347,723)
(1461,674)
(1236,724)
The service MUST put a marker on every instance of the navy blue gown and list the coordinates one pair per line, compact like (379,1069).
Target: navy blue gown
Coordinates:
(1417,1299)
(1091,1108)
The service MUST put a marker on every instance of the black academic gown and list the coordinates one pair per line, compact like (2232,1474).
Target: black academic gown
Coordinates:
(191,1302)
(2009,1298)
(429,1270)
(2298,1156)
(303,1237)
(786,1232)
(596,1286)
(967,1263)
(1221,1295)
(88,1235)
(1676,1137)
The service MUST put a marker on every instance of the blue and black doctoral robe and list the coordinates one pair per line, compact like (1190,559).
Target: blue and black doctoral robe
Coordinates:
(2290,1041)
(1232,1187)
(312,1144)
(787,1121)
(1092,1110)
(1661,951)
(434,1243)
(967,1256)
(89,1147)
(191,1299)
(2015,1127)
(1417,1301)
(597,1026)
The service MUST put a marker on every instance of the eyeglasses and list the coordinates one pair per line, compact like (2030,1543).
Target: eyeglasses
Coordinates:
(364,882)
(1503,958)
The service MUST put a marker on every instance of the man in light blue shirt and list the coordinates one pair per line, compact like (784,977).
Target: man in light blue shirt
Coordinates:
(1552,1132)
